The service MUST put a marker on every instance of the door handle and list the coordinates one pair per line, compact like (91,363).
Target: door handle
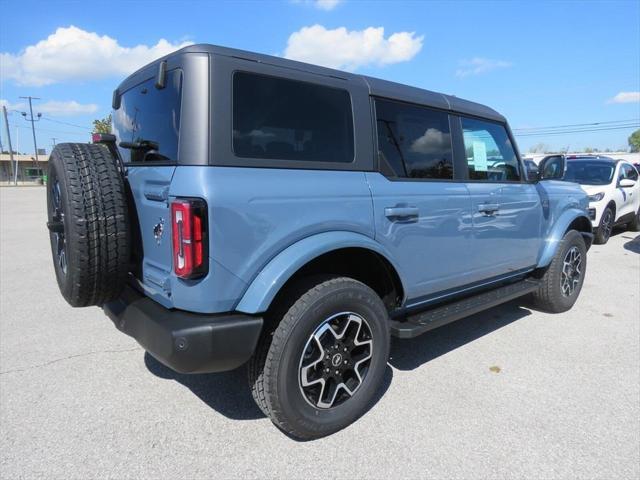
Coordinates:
(489,209)
(401,213)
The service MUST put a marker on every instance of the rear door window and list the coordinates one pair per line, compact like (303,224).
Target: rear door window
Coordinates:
(277,118)
(489,152)
(414,141)
(147,124)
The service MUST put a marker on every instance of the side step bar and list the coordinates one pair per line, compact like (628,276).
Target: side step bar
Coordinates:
(424,321)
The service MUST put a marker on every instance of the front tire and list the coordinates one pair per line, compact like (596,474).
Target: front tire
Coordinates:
(562,282)
(325,359)
(605,228)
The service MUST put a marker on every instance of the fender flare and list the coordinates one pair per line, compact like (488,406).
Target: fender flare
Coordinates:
(263,289)
(557,233)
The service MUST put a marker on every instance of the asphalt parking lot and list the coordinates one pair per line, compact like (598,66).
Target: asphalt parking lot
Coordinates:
(507,393)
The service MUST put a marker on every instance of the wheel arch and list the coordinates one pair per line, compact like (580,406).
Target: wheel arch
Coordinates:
(572,219)
(334,253)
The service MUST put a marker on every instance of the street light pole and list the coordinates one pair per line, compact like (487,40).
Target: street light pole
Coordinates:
(15,166)
(33,127)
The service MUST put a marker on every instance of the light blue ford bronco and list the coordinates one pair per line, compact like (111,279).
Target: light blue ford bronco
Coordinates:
(248,208)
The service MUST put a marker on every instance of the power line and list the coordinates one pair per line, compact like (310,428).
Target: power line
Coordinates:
(587,130)
(49,130)
(575,125)
(66,123)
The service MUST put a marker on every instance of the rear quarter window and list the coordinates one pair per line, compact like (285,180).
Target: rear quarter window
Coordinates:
(150,115)
(277,118)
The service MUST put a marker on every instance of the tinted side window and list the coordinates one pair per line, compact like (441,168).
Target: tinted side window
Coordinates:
(147,114)
(490,155)
(629,172)
(290,120)
(415,141)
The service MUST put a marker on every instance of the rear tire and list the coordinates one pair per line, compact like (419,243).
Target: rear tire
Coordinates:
(88,223)
(561,284)
(337,322)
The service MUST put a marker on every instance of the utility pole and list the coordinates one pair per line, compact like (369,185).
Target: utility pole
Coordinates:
(33,127)
(53,139)
(15,166)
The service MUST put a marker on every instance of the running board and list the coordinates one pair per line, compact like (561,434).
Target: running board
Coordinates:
(424,321)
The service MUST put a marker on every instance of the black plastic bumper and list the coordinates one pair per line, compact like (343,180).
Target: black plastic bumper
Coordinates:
(186,342)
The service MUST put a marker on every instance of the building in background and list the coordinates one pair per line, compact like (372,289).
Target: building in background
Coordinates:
(29,171)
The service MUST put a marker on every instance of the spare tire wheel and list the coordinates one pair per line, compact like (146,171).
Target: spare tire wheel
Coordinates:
(88,223)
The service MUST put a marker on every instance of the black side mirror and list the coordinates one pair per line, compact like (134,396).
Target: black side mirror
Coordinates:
(552,168)
(533,172)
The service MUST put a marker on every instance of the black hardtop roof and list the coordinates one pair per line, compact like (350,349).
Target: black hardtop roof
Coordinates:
(376,86)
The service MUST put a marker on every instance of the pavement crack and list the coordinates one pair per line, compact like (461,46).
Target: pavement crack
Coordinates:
(51,362)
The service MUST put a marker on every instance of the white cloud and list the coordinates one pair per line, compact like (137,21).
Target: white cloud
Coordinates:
(67,108)
(53,107)
(320,4)
(626,97)
(351,49)
(479,65)
(433,140)
(12,106)
(326,4)
(71,53)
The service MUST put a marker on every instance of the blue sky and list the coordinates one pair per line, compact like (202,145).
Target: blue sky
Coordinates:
(539,63)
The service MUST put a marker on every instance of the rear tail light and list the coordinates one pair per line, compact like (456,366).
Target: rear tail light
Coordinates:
(189,233)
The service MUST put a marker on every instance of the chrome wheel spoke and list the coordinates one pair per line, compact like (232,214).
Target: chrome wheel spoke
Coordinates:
(335,360)
(571,271)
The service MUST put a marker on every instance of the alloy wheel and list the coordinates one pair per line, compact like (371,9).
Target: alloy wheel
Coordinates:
(56,226)
(607,224)
(335,360)
(571,271)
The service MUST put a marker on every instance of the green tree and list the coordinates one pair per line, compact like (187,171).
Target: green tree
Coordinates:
(634,141)
(539,148)
(102,125)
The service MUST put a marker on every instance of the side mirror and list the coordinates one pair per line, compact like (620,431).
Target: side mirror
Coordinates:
(627,183)
(533,172)
(553,168)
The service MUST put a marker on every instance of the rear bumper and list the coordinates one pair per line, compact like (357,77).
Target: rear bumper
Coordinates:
(186,342)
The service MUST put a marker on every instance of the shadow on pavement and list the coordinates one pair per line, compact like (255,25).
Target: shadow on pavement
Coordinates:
(633,245)
(228,392)
(410,354)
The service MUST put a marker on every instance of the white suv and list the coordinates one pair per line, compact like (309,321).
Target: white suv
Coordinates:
(612,186)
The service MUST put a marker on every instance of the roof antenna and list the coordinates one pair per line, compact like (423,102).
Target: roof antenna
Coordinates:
(162,75)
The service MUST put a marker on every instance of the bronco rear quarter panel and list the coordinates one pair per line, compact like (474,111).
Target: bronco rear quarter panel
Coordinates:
(257,213)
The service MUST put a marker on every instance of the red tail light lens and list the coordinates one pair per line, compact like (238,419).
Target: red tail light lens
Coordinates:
(189,233)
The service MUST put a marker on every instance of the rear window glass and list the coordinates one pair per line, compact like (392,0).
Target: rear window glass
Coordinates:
(147,124)
(276,118)
(589,172)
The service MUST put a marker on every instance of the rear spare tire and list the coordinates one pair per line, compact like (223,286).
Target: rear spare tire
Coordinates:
(88,223)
